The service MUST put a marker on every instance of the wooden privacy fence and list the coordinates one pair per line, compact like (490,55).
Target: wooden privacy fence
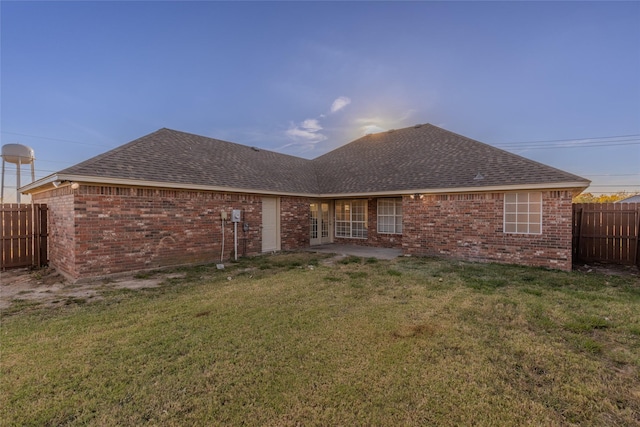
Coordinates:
(23,235)
(606,232)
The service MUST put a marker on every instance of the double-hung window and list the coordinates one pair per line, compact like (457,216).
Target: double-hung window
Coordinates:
(523,213)
(390,216)
(351,218)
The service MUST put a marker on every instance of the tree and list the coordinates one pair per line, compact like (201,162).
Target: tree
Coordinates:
(602,198)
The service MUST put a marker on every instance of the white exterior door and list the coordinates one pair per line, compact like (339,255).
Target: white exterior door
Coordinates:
(270,224)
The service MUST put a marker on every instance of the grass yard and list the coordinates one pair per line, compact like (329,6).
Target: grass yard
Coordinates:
(291,341)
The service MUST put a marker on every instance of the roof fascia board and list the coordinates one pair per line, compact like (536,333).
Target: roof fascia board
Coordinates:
(142,183)
(31,188)
(27,189)
(496,188)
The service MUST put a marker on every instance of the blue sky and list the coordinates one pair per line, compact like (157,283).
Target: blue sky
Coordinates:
(79,78)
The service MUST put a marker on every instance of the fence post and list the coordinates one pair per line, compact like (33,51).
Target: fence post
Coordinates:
(43,235)
(578,231)
(637,245)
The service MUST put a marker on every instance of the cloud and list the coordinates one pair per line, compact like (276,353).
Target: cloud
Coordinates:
(311,125)
(366,120)
(308,130)
(340,103)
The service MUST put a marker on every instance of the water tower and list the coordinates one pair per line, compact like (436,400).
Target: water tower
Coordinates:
(20,155)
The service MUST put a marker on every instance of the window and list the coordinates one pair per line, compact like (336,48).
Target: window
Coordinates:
(390,216)
(523,213)
(351,218)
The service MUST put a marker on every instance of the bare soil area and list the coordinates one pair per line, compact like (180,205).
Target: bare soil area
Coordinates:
(608,269)
(46,286)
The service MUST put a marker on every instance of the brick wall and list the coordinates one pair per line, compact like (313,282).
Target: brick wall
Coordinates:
(100,230)
(61,228)
(470,226)
(125,229)
(294,222)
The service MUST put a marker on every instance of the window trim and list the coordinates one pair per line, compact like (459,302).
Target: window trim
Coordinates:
(351,221)
(395,215)
(517,204)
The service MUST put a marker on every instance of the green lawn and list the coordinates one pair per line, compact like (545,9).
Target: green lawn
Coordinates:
(291,341)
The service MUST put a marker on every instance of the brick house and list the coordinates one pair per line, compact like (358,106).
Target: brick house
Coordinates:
(158,201)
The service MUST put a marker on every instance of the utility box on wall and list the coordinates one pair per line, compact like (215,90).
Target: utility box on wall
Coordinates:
(235,215)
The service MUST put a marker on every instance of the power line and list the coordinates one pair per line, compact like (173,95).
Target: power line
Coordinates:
(52,161)
(568,146)
(616,185)
(577,144)
(634,136)
(599,141)
(572,142)
(622,174)
(54,139)
(12,173)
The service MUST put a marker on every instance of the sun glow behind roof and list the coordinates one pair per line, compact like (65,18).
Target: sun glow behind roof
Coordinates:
(372,128)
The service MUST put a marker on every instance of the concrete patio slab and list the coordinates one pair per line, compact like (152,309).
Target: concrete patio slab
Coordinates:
(361,251)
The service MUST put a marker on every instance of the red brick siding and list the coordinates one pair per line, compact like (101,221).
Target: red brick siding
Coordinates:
(118,229)
(470,226)
(101,230)
(61,228)
(294,222)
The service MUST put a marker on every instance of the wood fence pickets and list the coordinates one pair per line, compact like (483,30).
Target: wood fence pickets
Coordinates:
(24,249)
(606,232)
(23,235)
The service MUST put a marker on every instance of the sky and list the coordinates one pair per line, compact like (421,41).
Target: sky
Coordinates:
(556,82)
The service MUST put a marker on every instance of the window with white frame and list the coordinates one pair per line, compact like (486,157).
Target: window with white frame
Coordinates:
(523,213)
(390,216)
(351,219)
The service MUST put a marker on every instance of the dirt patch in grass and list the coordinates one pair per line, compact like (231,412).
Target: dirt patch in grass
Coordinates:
(45,287)
(608,269)
(20,288)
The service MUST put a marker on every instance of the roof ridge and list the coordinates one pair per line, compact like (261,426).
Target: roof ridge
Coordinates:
(244,146)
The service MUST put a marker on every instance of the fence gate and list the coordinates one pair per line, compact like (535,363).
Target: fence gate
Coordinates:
(606,232)
(23,234)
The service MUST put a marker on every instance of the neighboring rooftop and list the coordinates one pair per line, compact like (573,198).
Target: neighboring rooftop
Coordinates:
(630,199)
(418,158)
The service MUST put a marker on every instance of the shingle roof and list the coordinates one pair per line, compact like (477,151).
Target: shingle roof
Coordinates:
(427,157)
(422,157)
(182,158)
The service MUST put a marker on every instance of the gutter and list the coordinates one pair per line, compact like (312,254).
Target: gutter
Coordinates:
(55,180)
